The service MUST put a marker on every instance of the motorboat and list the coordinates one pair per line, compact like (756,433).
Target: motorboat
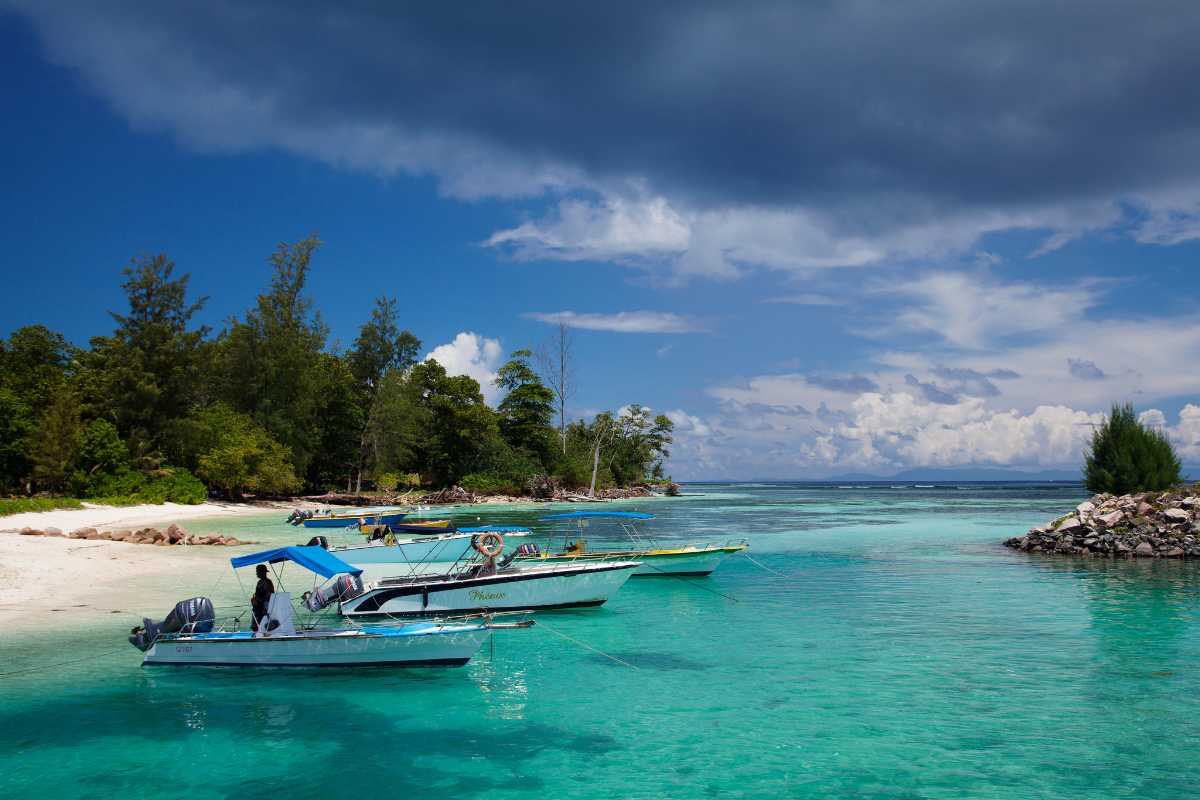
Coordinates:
(189,636)
(657,559)
(482,581)
(346,517)
(431,527)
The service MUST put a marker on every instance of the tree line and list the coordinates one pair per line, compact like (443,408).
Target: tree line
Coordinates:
(166,409)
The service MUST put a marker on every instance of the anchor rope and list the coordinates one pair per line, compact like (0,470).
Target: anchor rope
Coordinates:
(765,567)
(586,646)
(691,583)
(58,664)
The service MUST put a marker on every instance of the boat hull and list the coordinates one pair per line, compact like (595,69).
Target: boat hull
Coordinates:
(342,520)
(665,562)
(448,646)
(535,587)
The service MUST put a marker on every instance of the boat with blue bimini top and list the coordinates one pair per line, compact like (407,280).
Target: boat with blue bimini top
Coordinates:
(692,558)
(486,580)
(346,517)
(190,636)
(388,554)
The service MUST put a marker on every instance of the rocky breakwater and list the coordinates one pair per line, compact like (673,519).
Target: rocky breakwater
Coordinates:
(173,535)
(1147,525)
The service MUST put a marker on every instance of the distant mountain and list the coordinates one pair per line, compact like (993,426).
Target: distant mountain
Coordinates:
(930,474)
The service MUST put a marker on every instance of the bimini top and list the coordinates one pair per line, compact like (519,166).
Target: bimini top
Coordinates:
(315,559)
(509,529)
(586,514)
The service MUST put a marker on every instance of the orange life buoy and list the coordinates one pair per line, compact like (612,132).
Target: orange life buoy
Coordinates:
(489,544)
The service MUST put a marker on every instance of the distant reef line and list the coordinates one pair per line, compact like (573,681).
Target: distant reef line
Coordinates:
(1142,525)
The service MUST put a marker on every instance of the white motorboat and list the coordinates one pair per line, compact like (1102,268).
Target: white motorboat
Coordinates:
(189,635)
(479,583)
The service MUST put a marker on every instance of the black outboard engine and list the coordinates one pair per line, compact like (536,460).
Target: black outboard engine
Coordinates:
(319,541)
(188,616)
(343,587)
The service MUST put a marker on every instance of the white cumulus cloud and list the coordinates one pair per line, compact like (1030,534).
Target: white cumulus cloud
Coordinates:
(473,355)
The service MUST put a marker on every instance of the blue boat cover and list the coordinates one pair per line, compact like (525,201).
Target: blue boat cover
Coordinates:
(494,529)
(315,559)
(585,514)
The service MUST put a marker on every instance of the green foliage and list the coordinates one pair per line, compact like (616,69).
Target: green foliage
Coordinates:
(22,505)
(270,363)
(147,373)
(239,455)
(487,483)
(1126,456)
(382,346)
(461,428)
(52,446)
(266,407)
(527,410)
(35,366)
(130,487)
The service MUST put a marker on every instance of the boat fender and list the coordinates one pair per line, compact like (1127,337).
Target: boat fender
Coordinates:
(488,545)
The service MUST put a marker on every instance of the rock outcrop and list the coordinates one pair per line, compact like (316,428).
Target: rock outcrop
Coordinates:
(173,535)
(1144,525)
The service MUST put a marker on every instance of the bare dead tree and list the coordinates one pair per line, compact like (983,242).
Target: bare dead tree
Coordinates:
(556,361)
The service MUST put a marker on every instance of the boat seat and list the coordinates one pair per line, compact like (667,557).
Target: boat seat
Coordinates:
(279,620)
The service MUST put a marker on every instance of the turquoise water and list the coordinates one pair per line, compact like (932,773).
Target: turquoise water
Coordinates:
(902,654)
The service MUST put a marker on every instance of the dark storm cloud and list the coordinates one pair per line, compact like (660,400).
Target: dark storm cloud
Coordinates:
(912,106)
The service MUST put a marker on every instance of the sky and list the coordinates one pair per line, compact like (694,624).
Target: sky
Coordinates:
(821,237)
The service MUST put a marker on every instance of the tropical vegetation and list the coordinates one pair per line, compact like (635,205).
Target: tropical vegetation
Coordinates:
(1127,456)
(163,408)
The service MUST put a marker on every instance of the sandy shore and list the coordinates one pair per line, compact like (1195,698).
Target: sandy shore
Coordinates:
(112,517)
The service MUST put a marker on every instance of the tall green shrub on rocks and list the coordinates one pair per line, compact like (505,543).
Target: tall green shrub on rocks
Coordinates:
(1126,456)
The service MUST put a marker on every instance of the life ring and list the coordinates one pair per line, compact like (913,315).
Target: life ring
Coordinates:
(489,545)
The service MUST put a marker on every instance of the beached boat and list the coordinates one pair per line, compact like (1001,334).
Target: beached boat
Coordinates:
(696,558)
(480,583)
(346,518)
(189,637)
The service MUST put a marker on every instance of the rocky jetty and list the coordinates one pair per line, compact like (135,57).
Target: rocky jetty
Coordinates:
(173,535)
(1145,525)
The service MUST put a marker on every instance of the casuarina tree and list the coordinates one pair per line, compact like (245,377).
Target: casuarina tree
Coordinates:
(1126,456)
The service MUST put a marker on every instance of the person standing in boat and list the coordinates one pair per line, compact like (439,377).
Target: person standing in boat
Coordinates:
(262,595)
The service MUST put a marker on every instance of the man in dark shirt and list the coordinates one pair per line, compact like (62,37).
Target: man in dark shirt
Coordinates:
(262,595)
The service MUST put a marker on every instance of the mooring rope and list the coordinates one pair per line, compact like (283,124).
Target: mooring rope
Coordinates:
(586,646)
(765,567)
(43,667)
(691,583)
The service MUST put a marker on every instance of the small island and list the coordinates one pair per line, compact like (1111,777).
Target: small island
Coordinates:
(1140,509)
(1141,525)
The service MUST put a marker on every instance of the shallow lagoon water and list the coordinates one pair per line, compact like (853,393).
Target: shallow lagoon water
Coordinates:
(900,652)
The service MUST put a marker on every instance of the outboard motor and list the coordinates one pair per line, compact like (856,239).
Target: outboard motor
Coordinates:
(343,587)
(189,616)
(319,541)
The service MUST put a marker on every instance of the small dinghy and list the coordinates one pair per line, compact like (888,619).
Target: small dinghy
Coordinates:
(693,558)
(189,635)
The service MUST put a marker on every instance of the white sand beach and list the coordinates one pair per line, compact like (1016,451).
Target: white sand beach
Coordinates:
(111,517)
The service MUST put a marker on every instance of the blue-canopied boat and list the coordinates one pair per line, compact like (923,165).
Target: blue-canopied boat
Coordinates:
(691,558)
(189,635)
